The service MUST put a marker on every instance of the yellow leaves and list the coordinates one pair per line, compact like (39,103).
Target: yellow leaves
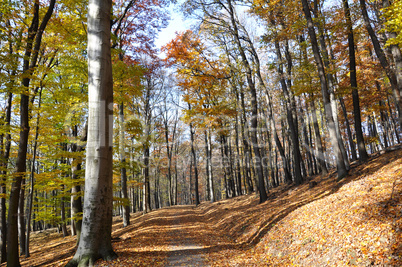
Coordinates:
(393,15)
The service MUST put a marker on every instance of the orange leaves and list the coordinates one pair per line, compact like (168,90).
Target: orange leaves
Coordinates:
(202,79)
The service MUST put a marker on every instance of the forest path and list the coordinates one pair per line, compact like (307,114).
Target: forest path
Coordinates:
(185,249)
(173,236)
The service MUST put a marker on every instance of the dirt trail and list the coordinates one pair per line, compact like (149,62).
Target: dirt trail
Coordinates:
(174,236)
(184,250)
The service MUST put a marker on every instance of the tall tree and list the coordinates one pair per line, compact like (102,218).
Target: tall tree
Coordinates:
(194,155)
(254,103)
(33,45)
(363,156)
(396,81)
(340,163)
(95,240)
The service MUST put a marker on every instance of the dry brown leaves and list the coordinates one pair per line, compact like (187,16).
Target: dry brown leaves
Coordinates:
(351,222)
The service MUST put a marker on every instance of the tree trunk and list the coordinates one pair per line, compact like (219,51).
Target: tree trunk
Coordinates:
(33,42)
(331,86)
(310,140)
(32,181)
(208,152)
(306,144)
(123,170)
(63,214)
(238,171)
(76,199)
(320,150)
(176,149)
(95,240)
(334,107)
(197,196)
(293,130)
(146,190)
(254,107)
(271,122)
(169,154)
(341,168)
(396,53)
(350,137)
(146,187)
(3,223)
(246,147)
(395,84)
(363,156)
(3,189)
(225,174)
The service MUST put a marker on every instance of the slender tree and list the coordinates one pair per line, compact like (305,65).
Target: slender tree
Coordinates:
(33,45)
(363,156)
(396,84)
(340,163)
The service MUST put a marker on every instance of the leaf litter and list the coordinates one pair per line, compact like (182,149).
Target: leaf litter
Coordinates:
(356,221)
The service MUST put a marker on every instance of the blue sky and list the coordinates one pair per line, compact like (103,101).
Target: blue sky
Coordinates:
(176,24)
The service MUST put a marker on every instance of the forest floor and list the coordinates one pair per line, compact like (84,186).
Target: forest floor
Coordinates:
(356,221)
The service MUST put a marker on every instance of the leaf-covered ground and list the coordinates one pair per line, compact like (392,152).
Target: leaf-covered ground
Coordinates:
(356,221)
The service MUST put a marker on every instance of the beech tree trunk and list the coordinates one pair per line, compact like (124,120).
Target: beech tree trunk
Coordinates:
(341,168)
(5,154)
(363,156)
(292,127)
(238,156)
(95,240)
(146,148)
(123,170)
(197,196)
(33,44)
(6,147)
(32,181)
(330,83)
(208,152)
(76,200)
(254,108)
(395,84)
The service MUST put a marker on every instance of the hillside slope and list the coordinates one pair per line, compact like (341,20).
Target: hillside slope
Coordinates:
(356,221)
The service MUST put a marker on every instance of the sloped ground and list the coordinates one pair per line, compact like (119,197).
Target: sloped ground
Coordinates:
(356,221)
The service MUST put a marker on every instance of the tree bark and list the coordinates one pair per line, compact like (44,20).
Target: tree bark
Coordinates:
(146,204)
(63,214)
(33,42)
(349,131)
(293,130)
(363,156)
(396,86)
(95,240)
(254,107)
(32,181)
(76,199)
(341,168)
(3,189)
(197,196)
(123,170)
(146,187)
(238,155)
(208,152)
